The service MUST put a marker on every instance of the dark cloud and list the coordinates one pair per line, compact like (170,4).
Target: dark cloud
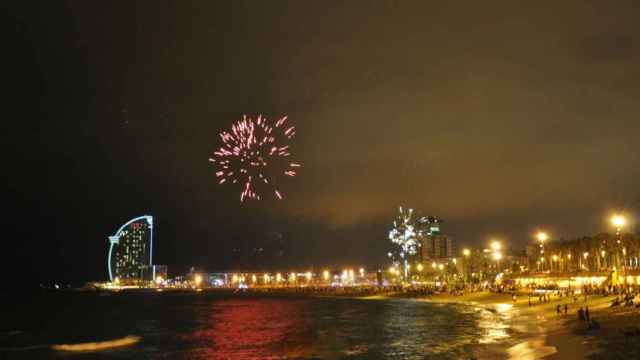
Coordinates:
(499,117)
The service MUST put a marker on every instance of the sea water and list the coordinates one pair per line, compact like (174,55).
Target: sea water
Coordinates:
(210,326)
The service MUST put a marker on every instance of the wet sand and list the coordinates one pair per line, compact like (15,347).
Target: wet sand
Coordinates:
(544,333)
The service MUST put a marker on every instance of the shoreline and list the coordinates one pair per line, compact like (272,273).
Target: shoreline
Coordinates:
(549,335)
(539,331)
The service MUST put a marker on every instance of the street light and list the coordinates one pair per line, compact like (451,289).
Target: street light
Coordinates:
(419,267)
(495,245)
(618,220)
(542,236)
(466,253)
(497,256)
(325,275)
(198,280)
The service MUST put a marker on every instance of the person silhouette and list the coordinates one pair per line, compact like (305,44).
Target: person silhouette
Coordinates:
(586,313)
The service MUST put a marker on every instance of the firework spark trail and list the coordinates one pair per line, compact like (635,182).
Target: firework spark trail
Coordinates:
(251,150)
(406,232)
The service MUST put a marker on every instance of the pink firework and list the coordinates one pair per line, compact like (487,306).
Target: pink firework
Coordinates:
(254,153)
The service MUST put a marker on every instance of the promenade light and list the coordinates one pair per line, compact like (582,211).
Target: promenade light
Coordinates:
(497,256)
(392,270)
(585,254)
(618,220)
(419,267)
(569,256)
(198,280)
(495,245)
(554,257)
(292,276)
(278,277)
(542,236)
(308,275)
(603,253)
(361,272)
(466,252)
(234,278)
(440,266)
(254,278)
(266,278)
(434,265)
(159,279)
(325,275)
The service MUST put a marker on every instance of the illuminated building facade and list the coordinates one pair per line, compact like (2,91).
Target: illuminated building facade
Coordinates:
(435,244)
(131,251)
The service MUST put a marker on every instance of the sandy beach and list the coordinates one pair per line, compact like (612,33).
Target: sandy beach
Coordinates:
(550,335)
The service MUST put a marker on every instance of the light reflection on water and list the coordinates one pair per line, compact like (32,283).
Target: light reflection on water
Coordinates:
(496,326)
(341,328)
(206,326)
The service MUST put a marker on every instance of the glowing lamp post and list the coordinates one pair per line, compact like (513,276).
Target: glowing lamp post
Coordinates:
(198,280)
(466,253)
(495,246)
(619,221)
(497,256)
(542,237)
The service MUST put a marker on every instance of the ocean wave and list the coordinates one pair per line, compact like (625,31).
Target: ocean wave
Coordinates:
(98,346)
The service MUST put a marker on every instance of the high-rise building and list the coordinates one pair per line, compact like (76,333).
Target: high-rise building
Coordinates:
(131,251)
(435,244)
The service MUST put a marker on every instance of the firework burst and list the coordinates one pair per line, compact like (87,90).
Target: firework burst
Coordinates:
(255,154)
(405,233)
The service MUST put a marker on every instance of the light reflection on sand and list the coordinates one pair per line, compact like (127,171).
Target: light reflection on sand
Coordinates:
(499,325)
(531,349)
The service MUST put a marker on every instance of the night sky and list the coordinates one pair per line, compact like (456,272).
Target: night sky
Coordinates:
(498,117)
